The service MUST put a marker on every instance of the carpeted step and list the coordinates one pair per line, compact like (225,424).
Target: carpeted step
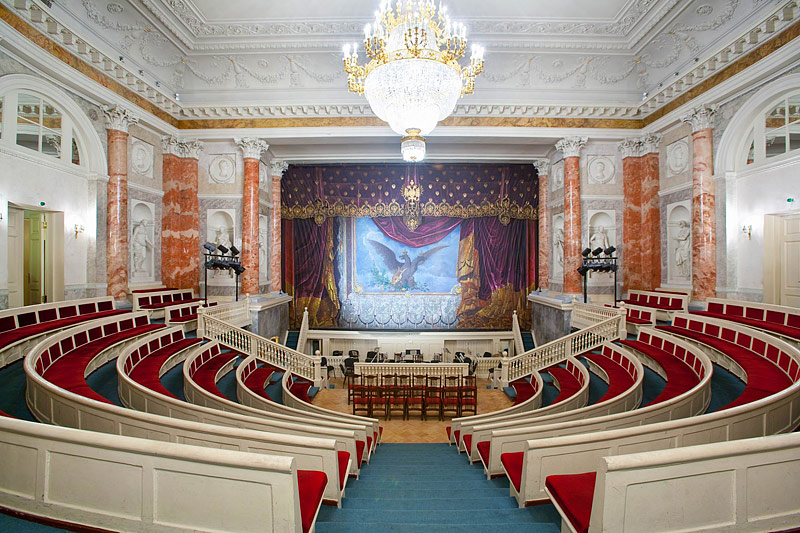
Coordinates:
(355,491)
(460,527)
(431,515)
(389,503)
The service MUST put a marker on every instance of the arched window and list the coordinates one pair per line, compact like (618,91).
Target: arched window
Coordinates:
(775,131)
(31,120)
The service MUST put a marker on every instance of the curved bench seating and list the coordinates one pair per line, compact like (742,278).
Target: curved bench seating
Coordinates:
(52,404)
(67,363)
(345,435)
(311,486)
(22,327)
(571,399)
(776,319)
(147,362)
(258,379)
(136,484)
(567,380)
(665,304)
(742,477)
(300,388)
(184,315)
(209,368)
(510,435)
(637,317)
(620,372)
(155,302)
(765,372)
(524,390)
(549,450)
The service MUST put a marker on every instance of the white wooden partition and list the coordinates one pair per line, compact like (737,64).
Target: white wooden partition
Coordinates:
(744,485)
(440,370)
(122,483)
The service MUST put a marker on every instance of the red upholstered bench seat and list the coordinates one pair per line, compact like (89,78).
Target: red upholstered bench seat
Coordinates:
(360,446)
(483,450)
(6,415)
(513,465)
(205,375)
(68,371)
(184,318)
(524,390)
(162,305)
(769,325)
(573,493)
(664,304)
(468,443)
(10,336)
(764,378)
(344,458)
(311,486)
(634,320)
(618,378)
(300,389)
(680,377)
(567,383)
(146,372)
(448,429)
(257,380)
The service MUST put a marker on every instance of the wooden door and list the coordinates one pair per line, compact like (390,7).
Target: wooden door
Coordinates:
(790,262)
(16,277)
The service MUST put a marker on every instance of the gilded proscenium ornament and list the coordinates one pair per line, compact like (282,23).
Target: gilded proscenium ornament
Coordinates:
(412,192)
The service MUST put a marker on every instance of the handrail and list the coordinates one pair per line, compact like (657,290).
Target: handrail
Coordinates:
(232,312)
(585,314)
(517,334)
(559,350)
(248,343)
(302,337)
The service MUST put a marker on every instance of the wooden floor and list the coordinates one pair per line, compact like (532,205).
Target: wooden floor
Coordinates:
(413,430)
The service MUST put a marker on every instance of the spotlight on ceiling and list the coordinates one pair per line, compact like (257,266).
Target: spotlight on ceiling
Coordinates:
(222,249)
(234,251)
(210,247)
(586,252)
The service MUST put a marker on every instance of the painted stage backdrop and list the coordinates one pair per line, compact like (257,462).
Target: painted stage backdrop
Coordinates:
(403,247)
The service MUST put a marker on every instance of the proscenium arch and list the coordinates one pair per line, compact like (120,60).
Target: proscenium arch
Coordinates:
(92,151)
(732,145)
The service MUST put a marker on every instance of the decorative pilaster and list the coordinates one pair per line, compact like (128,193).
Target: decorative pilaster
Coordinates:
(570,147)
(277,168)
(252,149)
(651,212)
(180,220)
(630,149)
(118,120)
(704,239)
(543,170)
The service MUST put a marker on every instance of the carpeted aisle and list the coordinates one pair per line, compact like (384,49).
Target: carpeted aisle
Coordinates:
(431,488)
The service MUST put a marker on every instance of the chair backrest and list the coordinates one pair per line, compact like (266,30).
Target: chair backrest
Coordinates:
(350,363)
(338,353)
(324,361)
(353,353)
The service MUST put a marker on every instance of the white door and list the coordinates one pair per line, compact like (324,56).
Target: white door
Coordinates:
(790,262)
(33,268)
(16,294)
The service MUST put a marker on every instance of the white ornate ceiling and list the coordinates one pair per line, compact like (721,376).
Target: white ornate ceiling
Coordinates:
(223,56)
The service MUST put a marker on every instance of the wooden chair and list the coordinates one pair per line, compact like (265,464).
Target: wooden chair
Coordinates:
(415,402)
(361,400)
(469,396)
(378,401)
(433,396)
(451,396)
(397,401)
(351,379)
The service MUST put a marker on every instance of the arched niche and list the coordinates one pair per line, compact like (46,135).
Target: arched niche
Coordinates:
(558,246)
(679,243)
(221,230)
(602,231)
(142,241)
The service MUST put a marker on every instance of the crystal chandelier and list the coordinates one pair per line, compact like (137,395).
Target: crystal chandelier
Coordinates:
(413,78)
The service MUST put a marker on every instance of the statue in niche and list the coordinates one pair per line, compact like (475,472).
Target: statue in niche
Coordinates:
(599,238)
(262,252)
(683,248)
(223,239)
(558,247)
(140,243)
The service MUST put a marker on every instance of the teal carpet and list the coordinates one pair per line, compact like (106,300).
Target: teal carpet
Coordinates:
(173,381)
(597,387)
(652,386)
(227,383)
(12,394)
(430,487)
(104,382)
(725,387)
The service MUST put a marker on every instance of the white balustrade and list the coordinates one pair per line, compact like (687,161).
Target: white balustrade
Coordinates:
(441,370)
(518,344)
(302,337)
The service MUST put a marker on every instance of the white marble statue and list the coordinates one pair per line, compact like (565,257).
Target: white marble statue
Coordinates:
(599,238)
(558,247)
(223,238)
(141,244)
(683,248)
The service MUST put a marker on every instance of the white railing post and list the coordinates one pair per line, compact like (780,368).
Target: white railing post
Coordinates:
(504,372)
(302,336)
(517,334)
(201,323)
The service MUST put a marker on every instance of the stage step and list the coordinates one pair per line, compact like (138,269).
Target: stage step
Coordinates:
(292,338)
(527,340)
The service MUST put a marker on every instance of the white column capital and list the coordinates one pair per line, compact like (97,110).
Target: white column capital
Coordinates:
(181,147)
(252,147)
(542,166)
(118,118)
(700,118)
(630,147)
(651,142)
(171,145)
(571,146)
(277,167)
(191,149)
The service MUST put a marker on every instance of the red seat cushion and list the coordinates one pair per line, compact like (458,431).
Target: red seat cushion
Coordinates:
(483,451)
(618,379)
(257,380)
(573,494)
(205,375)
(468,443)
(146,371)
(184,318)
(343,457)
(311,486)
(523,389)
(300,389)
(780,329)
(8,338)
(448,429)
(513,464)
(567,383)
(633,320)
(162,305)
(680,377)
(5,415)
(360,445)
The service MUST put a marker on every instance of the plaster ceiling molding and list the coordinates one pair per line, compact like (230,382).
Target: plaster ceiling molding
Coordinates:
(142,158)
(222,168)
(677,157)
(601,170)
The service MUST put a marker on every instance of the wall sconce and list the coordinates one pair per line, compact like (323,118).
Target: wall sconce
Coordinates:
(79,229)
(747,230)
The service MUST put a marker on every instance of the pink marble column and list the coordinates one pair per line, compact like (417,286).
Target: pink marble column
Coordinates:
(277,168)
(651,212)
(630,150)
(252,150)
(543,170)
(189,267)
(570,147)
(118,120)
(704,240)
(171,248)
